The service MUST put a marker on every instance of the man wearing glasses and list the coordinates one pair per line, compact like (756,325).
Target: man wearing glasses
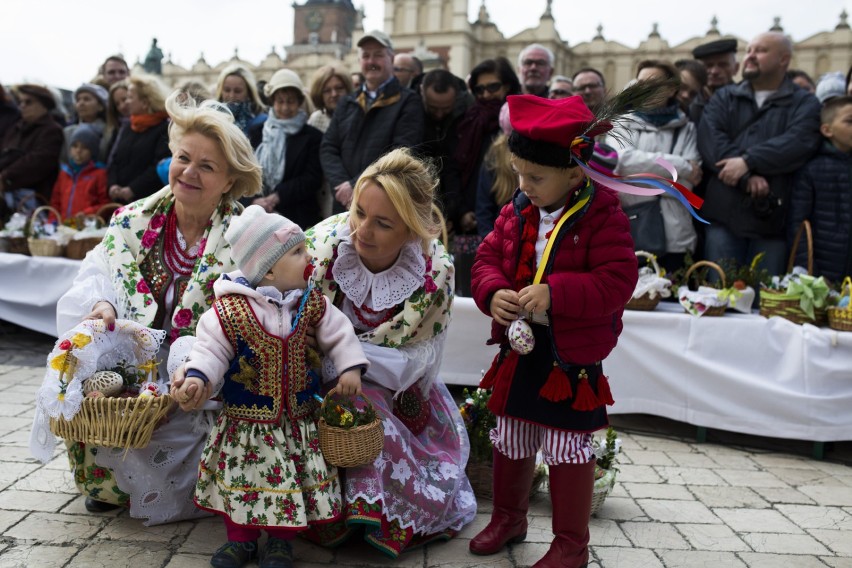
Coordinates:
(561,88)
(589,83)
(407,68)
(535,67)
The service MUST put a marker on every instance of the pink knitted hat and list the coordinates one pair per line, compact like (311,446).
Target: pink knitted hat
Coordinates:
(258,239)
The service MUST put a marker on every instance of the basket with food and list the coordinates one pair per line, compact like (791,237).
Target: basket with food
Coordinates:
(101,387)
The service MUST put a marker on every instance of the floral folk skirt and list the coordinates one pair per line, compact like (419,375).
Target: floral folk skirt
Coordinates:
(267,475)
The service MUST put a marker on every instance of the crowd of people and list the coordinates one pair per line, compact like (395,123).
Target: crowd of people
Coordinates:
(239,198)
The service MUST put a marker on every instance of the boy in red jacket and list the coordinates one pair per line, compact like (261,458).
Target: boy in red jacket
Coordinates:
(560,257)
(82,183)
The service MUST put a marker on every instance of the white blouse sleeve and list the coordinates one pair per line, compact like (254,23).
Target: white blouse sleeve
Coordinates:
(398,368)
(91,285)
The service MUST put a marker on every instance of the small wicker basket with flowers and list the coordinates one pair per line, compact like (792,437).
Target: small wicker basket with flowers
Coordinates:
(707,300)
(90,231)
(652,285)
(840,316)
(797,296)
(101,388)
(12,236)
(606,456)
(46,234)
(479,421)
(350,431)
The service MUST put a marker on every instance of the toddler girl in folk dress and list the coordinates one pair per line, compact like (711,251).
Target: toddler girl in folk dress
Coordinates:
(262,467)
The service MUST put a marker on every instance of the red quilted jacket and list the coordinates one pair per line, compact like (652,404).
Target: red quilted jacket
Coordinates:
(592,275)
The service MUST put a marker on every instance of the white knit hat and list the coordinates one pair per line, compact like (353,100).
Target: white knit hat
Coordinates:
(282,79)
(258,239)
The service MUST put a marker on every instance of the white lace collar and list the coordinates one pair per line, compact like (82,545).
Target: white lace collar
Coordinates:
(382,290)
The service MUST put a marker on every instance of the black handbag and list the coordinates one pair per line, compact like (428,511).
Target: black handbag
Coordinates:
(646,219)
(646,226)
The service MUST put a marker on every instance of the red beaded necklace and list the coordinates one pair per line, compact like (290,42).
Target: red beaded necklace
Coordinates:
(176,258)
(390,313)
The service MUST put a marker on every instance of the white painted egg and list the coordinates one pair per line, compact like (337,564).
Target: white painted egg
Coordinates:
(521,337)
(109,383)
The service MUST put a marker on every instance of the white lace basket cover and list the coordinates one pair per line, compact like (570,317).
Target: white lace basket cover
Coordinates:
(95,348)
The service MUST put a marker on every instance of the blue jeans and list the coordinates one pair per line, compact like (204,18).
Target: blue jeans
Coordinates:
(720,243)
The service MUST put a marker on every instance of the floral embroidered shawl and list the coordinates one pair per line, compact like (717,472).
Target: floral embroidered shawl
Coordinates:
(425,314)
(132,235)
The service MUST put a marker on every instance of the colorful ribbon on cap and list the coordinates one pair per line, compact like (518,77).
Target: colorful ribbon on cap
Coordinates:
(644,184)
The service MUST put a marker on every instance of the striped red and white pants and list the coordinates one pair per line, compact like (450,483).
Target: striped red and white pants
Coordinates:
(517,440)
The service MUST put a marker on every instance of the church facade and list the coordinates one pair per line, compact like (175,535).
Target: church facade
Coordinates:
(441,35)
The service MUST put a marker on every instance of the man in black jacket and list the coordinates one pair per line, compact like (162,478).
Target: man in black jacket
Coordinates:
(370,122)
(754,136)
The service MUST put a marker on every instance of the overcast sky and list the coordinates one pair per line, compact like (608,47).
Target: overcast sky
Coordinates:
(63,42)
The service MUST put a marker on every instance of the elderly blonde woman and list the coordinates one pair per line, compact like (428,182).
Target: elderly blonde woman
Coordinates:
(132,174)
(156,266)
(237,88)
(383,266)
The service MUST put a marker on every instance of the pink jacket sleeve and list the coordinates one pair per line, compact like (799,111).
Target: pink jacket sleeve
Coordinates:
(212,353)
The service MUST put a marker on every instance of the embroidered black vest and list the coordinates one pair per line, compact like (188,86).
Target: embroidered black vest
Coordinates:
(268,373)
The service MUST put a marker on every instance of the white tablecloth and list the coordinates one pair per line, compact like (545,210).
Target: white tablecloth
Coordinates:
(30,286)
(738,372)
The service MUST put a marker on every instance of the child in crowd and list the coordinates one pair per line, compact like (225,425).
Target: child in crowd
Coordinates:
(262,467)
(81,186)
(561,257)
(822,193)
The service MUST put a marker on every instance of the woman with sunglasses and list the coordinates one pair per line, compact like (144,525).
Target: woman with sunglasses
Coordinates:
(491,82)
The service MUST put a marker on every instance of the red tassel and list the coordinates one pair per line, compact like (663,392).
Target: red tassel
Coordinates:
(604,394)
(490,376)
(558,385)
(507,369)
(585,399)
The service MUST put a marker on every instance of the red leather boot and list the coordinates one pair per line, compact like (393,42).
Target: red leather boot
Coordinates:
(512,483)
(571,488)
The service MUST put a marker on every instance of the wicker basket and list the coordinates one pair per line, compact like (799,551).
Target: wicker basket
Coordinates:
(114,422)
(350,447)
(78,248)
(841,318)
(711,310)
(777,303)
(645,302)
(106,212)
(481,477)
(43,246)
(19,245)
(15,245)
(603,487)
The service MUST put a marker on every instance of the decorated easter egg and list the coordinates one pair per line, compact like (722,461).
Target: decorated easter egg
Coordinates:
(844,302)
(109,383)
(521,338)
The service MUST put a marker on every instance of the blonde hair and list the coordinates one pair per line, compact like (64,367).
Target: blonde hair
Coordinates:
(213,120)
(251,84)
(321,77)
(151,90)
(498,162)
(410,185)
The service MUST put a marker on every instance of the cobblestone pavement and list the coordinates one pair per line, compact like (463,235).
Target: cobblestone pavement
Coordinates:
(734,501)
